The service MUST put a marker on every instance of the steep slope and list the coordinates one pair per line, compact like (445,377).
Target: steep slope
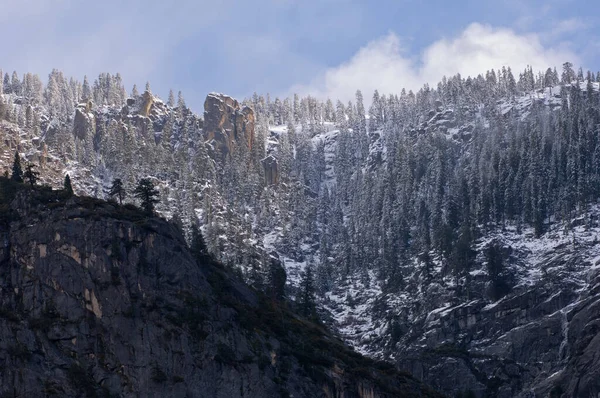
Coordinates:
(539,337)
(502,328)
(98,300)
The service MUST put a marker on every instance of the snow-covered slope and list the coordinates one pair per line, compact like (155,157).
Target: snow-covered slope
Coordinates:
(512,338)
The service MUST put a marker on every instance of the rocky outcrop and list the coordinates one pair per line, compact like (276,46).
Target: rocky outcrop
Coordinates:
(97,300)
(445,122)
(226,123)
(579,348)
(147,101)
(146,112)
(271,167)
(84,122)
(538,338)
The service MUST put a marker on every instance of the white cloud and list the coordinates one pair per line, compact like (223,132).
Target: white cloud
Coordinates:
(567,26)
(384,65)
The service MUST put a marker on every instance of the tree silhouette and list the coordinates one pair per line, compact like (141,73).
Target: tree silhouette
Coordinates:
(68,188)
(117,190)
(30,174)
(17,171)
(308,307)
(198,245)
(147,194)
(276,277)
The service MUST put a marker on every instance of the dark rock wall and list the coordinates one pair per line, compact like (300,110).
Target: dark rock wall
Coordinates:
(96,300)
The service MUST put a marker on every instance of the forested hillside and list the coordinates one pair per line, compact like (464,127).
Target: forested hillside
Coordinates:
(404,213)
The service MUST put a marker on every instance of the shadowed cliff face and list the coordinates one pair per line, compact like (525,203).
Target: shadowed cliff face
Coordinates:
(96,300)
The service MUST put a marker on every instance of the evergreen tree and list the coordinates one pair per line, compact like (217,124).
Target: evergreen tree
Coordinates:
(30,174)
(297,109)
(495,267)
(15,84)
(176,219)
(147,194)
(375,112)
(198,245)
(276,278)
(17,171)
(68,188)
(329,111)
(308,307)
(117,190)
(180,102)
(6,85)
(86,91)
(171,100)
(568,74)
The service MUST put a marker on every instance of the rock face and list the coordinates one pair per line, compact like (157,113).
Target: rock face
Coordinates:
(580,348)
(226,123)
(270,165)
(96,300)
(146,112)
(84,122)
(147,102)
(540,338)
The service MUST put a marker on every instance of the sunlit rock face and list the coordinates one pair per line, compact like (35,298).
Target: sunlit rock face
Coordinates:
(226,123)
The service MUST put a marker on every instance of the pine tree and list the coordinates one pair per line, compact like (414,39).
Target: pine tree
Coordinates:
(329,111)
(117,190)
(171,100)
(68,188)
(6,84)
(86,91)
(17,171)
(375,112)
(568,74)
(31,175)
(307,303)
(180,103)
(198,245)
(495,267)
(176,219)
(15,84)
(276,278)
(147,194)
(118,94)
(360,127)
(297,109)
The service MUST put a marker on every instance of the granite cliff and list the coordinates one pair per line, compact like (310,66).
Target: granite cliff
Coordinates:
(227,122)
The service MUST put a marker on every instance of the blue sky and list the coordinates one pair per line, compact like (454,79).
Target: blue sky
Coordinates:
(327,48)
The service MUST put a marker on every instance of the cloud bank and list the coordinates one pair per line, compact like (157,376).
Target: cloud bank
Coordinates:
(384,64)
